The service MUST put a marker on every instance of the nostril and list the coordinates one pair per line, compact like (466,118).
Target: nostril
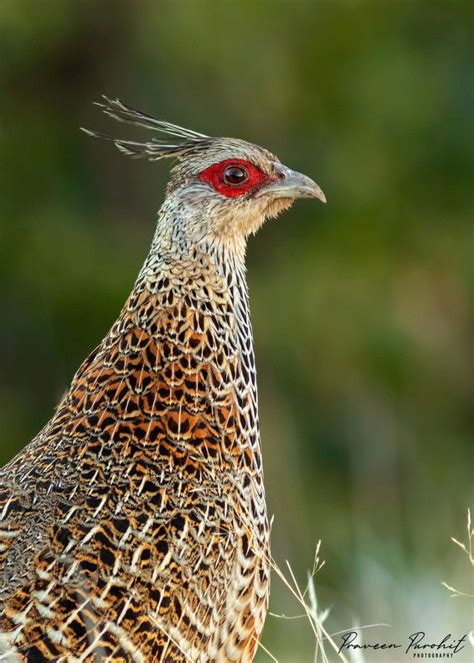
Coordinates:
(279,172)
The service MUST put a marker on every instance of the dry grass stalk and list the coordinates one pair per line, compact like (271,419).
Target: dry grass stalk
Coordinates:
(467,548)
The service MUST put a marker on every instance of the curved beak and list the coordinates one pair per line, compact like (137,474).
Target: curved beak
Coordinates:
(293,185)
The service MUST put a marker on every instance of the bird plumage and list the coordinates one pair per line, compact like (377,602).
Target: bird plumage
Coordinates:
(154,149)
(134,526)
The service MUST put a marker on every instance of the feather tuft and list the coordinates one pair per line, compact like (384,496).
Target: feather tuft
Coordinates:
(154,149)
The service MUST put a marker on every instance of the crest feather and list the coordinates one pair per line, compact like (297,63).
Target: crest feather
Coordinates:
(155,148)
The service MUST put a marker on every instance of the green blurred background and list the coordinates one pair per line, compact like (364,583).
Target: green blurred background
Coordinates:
(360,307)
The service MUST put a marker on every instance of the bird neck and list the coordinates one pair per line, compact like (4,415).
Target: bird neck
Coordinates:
(186,326)
(202,280)
(184,229)
(190,266)
(175,377)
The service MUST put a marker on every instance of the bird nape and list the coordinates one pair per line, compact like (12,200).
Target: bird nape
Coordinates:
(134,526)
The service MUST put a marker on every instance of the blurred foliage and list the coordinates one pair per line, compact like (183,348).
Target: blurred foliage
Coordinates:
(360,308)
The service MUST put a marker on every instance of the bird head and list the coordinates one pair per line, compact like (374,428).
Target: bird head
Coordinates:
(221,189)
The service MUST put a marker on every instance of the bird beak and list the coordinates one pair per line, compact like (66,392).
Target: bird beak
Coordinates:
(293,185)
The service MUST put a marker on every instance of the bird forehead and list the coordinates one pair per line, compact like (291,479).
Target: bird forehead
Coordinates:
(225,149)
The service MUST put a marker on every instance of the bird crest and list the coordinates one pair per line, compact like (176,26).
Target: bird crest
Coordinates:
(182,141)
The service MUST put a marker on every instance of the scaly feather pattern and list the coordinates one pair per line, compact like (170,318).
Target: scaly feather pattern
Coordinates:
(134,526)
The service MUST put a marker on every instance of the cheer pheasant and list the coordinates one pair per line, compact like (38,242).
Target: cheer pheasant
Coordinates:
(134,527)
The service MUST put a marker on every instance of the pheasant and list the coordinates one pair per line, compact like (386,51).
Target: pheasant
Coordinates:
(133,527)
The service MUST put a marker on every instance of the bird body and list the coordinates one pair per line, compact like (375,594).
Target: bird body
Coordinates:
(134,526)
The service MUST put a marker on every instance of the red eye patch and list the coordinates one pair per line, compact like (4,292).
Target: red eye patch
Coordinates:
(233,177)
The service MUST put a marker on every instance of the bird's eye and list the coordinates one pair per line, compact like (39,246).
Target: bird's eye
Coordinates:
(235,175)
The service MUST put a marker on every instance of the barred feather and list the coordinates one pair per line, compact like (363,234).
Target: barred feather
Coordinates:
(154,149)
